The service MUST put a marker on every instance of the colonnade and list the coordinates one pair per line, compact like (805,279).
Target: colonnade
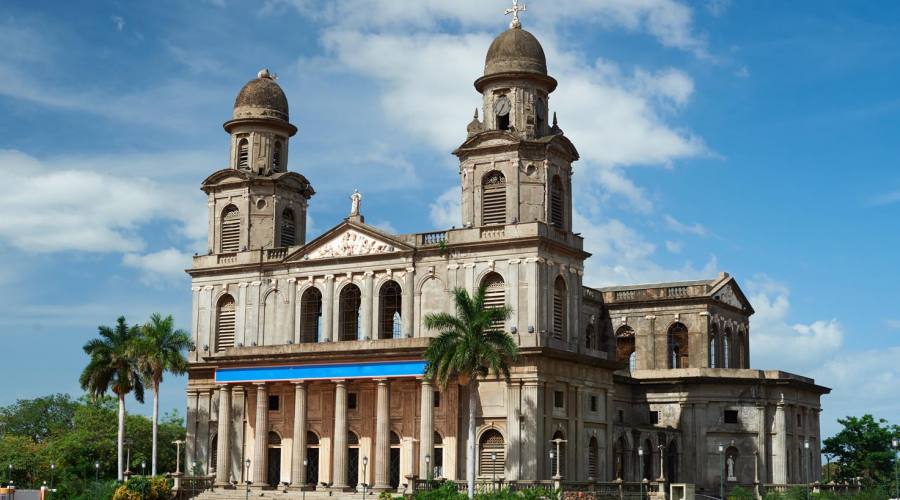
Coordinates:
(340,450)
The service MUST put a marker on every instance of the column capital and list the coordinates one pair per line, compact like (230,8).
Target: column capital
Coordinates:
(299,383)
(369,274)
(381,381)
(340,381)
(260,385)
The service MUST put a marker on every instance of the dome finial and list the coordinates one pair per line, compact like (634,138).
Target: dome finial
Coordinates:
(514,10)
(264,73)
(476,113)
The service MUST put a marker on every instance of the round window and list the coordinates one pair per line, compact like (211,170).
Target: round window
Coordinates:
(261,203)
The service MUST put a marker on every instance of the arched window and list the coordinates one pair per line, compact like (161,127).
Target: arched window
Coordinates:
(225,323)
(678,346)
(619,458)
(539,114)
(559,460)
(494,294)
(214,453)
(713,345)
(312,458)
(437,464)
(560,309)
(491,454)
(648,460)
(625,345)
(288,228)
(349,319)
(593,468)
(557,207)
(726,349)
(739,350)
(493,198)
(589,337)
(274,439)
(502,108)
(311,316)
(604,338)
(276,156)
(231,229)
(390,299)
(243,154)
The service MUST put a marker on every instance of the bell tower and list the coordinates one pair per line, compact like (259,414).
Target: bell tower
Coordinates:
(256,203)
(515,165)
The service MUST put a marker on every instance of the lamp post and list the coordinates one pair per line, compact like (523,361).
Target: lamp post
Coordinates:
(494,469)
(247,479)
(641,469)
(895,442)
(806,452)
(52,469)
(722,472)
(9,478)
(303,486)
(365,483)
(428,467)
(97,471)
(143,467)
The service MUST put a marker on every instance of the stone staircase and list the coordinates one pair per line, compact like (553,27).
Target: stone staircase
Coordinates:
(241,494)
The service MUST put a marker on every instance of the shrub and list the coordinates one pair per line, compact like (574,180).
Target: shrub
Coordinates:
(739,493)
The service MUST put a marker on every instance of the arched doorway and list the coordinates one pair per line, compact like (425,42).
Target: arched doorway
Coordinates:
(619,460)
(593,468)
(312,458)
(437,463)
(352,459)
(492,455)
(394,465)
(273,471)
(648,460)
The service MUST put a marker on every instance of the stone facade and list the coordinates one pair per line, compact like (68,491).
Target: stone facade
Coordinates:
(311,351)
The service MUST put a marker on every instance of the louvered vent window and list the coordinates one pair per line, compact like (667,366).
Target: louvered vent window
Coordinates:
(556,203)
(559,309)
(593,459)
(276,157)
(493,199)
(243,156)
(288,228)
(231,229)
(494,295)
(225,324)
(492,454)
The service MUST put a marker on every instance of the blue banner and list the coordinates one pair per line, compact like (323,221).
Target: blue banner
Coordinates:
(384,369)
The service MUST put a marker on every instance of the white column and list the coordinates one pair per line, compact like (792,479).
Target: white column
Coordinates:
(190,445)
(261,439)
(298,471)
(382,436)
(779,469)
(513,294)
(327,309)
(409,298)
(223,439)
(367,298)
(426,427)
(513,428)
(534,422)
(339,449)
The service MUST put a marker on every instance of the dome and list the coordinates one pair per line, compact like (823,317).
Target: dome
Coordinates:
(261,98)
(515,50)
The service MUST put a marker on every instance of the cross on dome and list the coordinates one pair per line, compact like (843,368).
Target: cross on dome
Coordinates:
(514,10)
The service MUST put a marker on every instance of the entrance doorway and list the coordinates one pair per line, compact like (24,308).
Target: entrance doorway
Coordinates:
(352,459)
(273,469)
(312,458)
(394,468)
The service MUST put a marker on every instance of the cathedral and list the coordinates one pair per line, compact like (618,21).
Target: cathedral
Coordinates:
(306,370)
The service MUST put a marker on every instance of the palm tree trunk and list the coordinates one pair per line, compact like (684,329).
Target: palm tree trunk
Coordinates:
(121,437)
(470,452)
(155,425)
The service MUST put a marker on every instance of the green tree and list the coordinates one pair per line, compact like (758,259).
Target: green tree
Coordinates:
(159,350)
(113,367)
(39,418)
(863,449)
(469,345)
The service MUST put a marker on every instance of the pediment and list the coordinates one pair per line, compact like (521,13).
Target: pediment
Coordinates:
(349,240)
(729,293)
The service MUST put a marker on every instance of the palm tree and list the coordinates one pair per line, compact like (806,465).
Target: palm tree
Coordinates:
(159,350)
(469,345)
(112,366)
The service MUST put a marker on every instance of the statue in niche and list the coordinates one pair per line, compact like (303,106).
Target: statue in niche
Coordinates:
(355,200)
(730,463)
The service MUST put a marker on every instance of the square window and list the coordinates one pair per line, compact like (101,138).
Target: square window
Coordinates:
(654,417)
(559,399)
(799,420)
(437,399)
(731,416)
(593,403)
(621,416)
(274,403)
(351,401)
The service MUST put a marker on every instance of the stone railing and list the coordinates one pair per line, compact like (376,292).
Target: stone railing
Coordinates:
(677,291)
(841,488)
(226,258)
(276,253)
(492,233)
(191,486)
(435,238)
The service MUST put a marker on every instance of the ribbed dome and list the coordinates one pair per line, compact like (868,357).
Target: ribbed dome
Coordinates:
(515,50)
(261,98)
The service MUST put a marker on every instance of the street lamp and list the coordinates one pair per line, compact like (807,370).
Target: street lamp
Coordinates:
(494,469)
(97,470)
(52,469)
(9,478)
(143,466)
(305,474)
(895,442)
(722,472)
(806,447)
(428,467)
(247,478)
(365,483)
(641,467)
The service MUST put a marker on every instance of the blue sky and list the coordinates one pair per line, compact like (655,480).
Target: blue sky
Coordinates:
(758,138)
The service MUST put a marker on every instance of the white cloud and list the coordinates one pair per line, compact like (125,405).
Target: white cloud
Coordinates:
(742,72)
(675,225)
(674,246)
(445,211)
(58,209)
(386,226)
(886,198)
(119,21)
(165,267)
(892,324)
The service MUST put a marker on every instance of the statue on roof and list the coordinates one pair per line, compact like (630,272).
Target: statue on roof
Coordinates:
(355,200)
